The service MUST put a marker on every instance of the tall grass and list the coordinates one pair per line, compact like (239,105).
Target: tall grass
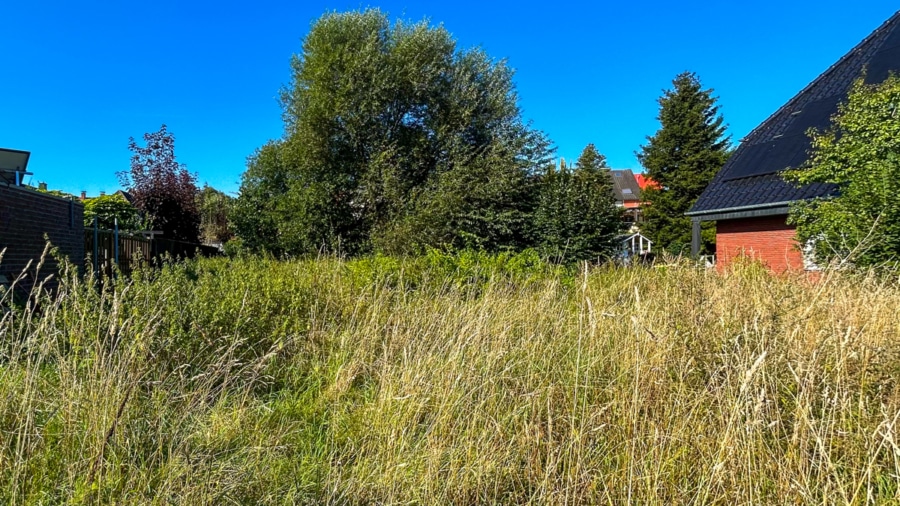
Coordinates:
(451,380)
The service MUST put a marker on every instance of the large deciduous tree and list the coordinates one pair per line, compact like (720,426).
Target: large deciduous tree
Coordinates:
(162,188)
(394,139)
(487,202)
(257,217)
(860,154)
(682,157)
(576,217)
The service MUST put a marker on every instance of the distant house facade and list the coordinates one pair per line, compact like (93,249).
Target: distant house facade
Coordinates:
(628,194)
(627,187)
(748,199)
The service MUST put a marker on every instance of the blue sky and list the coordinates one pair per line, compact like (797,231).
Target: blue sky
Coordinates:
(77,79)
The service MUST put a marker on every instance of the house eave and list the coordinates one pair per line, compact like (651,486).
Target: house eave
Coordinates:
(733,213)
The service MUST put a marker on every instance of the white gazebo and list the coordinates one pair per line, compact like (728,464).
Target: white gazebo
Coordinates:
(635,244)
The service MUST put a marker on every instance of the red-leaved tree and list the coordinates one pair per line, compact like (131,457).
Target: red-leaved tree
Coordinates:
(162,188)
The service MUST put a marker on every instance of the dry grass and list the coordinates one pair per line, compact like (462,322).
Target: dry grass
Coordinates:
(441,382)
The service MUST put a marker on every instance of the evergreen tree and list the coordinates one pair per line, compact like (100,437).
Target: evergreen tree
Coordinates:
(683,156)
(576,217)
(603,222)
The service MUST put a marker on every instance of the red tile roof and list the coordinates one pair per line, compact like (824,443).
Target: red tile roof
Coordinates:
(644,182)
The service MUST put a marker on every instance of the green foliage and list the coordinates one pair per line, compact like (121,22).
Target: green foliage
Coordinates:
(394,140)
(860,154)
(161,188)
(466,269)
(682,156)
(485,202)
(258,216)
(472,264)
(215,208)
(450,378)
(109,208)
(57,193)
(576,217)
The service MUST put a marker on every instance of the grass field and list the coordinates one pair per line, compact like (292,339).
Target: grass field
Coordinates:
(451,379)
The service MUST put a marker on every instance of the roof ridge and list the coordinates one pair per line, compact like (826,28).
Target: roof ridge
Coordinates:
(752,175)
(821,77)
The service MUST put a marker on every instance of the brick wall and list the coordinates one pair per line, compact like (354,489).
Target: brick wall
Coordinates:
(25,217)
(768,239)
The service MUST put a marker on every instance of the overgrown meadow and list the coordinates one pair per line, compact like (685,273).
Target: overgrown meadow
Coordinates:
(451,379)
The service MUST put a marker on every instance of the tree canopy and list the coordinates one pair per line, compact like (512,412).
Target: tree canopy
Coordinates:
(162,188)
(110,211)
(394,139)
(682,157)
(256,216)
(860,155)
(577,217)
(214,207)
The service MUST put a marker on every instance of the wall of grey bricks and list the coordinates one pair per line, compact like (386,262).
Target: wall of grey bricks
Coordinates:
(26,216)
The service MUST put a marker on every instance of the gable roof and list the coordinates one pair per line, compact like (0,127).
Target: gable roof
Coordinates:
(751,178)
(126,195)
(644,181)
(625,185)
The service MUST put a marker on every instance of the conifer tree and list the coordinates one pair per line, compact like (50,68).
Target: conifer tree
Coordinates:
(682,157)
(577,217)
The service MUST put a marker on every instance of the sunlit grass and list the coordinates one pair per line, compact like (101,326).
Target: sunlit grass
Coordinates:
(446,379)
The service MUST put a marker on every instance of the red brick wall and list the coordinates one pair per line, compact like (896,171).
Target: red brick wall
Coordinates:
(768,239)
(25,217)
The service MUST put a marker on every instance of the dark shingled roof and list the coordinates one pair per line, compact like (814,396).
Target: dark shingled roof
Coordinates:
(751,177)
(625,185)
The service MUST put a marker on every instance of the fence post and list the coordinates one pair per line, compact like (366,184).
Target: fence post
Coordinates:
(116,240)
(96,249)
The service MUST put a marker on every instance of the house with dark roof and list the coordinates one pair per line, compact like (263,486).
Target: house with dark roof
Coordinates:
(748,199)
(627,189)
(627,192)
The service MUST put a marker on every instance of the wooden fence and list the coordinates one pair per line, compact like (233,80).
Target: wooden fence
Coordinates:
(102,251)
